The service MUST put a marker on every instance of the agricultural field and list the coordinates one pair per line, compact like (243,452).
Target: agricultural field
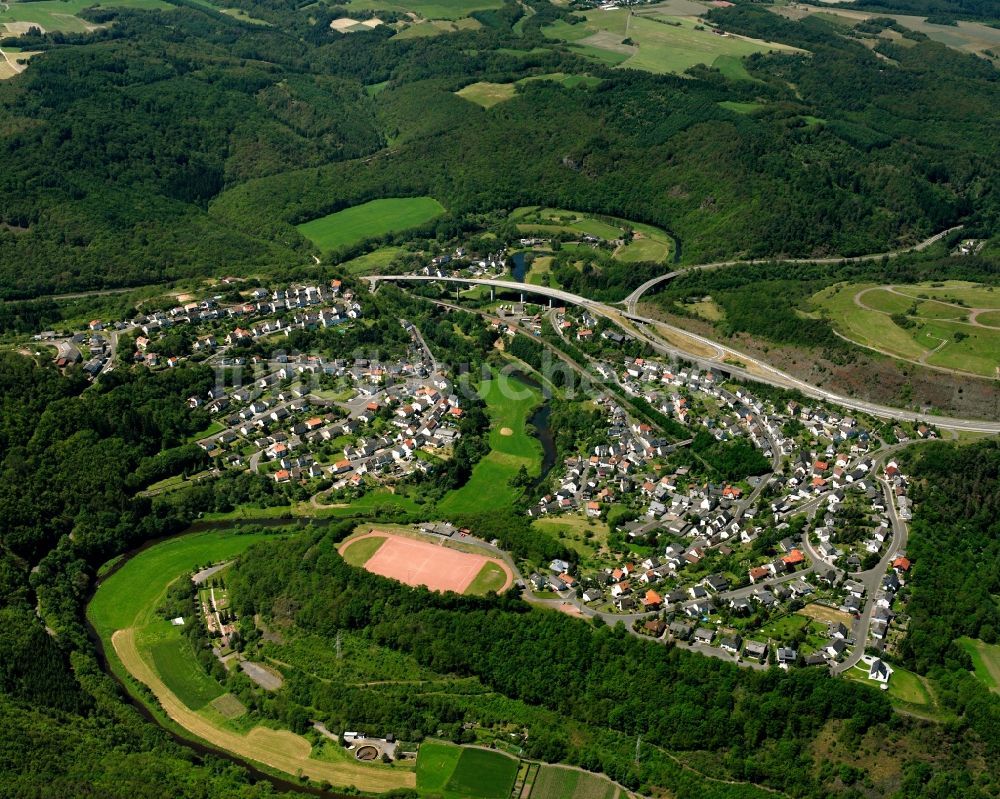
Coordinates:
(151,650)
(985,661)
(559,782)
(658,41)
(649,243)
(369,220)
(60,15)
(487,94)
(509,402)
(490,94)
(964,36)
(9,57)
(435,27)
(950,325)
(427,9)
(435,764)
(455,772)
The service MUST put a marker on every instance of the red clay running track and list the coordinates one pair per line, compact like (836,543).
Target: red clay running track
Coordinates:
(423,563)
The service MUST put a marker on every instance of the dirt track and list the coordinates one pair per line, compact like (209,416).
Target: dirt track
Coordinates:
(278,749)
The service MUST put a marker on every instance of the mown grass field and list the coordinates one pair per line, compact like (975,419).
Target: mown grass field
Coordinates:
(358,553)
(482,774)
(369,220)
(660,42)
(130,594)
(151,650)
(556,782)
(174,661)
(985,661)
(949,324)
(649,243)
(490,578)
(60,15)
(428,9)
(509,402)
(435,764)
(489,94)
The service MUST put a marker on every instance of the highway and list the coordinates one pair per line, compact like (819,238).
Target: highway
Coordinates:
(632,299)
(725,358)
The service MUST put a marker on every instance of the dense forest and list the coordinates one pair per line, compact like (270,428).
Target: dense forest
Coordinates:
(184,142)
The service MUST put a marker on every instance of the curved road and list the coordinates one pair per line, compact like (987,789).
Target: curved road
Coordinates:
(748,368)
(632,299)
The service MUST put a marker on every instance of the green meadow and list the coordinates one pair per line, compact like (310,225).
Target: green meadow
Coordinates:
(370,220)
(60,15)
(455,772)
(509,402)
(489,94)
(658,42)
(129,598)
(428,9)
(649,243)
(951,324)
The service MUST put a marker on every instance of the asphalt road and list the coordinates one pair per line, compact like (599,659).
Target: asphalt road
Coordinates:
(632,299)
(751,368)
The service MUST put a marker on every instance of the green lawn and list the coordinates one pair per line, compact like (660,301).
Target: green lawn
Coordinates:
(939,332)
(358,553)
(428,9)
(129,598)
(482,774)
(557,782)
(174,661)
(487,94)
(905,686)
(369,220)
(985,661)
(490,578)
(649,243)
(132,592)
(373,261)
(739,107)
(509,402)
(435,764)
(60,15)
(662,43)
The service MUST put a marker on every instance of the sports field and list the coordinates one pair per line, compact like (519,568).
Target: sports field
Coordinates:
(427,9)
(369,220)
(455,772)
(60,15)
(656,40)
(951,325)
(138,641)
(509,402)
(430,564)
(648,243)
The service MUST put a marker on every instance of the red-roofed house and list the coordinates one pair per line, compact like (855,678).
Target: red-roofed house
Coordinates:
(901,564)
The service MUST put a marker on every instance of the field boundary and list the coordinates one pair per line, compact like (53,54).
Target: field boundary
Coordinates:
(278,749)
(428,545)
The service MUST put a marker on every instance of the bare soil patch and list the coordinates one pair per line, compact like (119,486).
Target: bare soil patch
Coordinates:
(433,565)
(863,375)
